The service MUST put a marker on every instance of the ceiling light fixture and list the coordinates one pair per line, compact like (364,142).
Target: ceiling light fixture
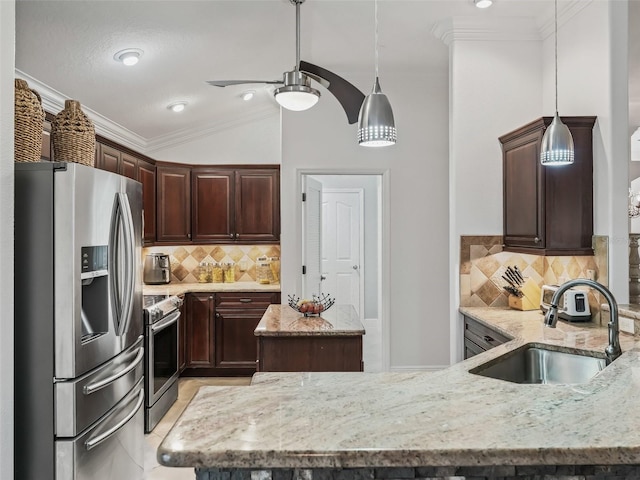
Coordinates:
(248,95)
(129,56)
(376,126)
(557,142)
(177,106)
(483,3)
(297,94)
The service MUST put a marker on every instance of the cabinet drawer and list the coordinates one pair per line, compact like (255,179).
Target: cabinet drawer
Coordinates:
(481,335)
(471,349)
(246,300)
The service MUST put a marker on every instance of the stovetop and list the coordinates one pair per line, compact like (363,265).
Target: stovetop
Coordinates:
(156,307)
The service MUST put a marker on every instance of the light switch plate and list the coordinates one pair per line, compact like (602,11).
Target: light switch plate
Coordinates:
(626,325)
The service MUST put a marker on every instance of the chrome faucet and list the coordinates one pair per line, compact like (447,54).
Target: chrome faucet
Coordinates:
(613,350)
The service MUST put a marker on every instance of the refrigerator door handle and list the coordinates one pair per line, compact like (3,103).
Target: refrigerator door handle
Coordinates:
(130,262)
(97,440)
(95,386)
(122,281)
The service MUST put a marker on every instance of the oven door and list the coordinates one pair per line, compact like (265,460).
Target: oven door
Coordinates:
(161,365)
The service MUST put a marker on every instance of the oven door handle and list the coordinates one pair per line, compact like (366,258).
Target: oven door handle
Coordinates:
(167,322)
(97,440)
(94,387)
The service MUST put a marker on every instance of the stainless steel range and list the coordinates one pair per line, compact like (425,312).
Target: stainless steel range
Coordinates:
(162,320)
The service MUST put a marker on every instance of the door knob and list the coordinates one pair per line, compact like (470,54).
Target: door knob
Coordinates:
(355,267)
(322,277)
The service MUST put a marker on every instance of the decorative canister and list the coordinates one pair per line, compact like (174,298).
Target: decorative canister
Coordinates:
(203,272)
(263,270)
(229,270)
(216,273)
(73,135)
(28,120)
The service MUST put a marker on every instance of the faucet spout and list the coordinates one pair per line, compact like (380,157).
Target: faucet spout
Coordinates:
(613,350)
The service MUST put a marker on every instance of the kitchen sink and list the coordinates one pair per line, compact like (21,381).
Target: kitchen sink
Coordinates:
(535,363)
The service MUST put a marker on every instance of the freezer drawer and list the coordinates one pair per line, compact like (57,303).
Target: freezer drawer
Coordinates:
(112,449)
(82,401)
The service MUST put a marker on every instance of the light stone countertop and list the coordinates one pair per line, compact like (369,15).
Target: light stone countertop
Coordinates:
(180,288)
(448,417)
(284,321)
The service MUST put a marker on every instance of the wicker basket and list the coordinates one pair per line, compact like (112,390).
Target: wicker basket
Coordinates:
(28,120)
(73,135)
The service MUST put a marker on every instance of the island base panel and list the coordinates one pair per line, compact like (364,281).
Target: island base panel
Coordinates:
(503,472)
(310,354)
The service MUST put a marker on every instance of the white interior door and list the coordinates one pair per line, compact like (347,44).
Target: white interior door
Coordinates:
(342,246)
(311,247)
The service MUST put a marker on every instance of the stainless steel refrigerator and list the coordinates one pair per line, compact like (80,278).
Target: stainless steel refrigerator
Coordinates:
(78,324)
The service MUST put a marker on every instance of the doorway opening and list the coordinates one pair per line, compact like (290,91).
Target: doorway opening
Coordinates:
(342,251)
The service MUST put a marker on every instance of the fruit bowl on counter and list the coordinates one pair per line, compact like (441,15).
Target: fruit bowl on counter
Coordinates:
(312,307)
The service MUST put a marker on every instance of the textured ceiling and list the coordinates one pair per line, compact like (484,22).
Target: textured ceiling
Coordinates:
(69,46)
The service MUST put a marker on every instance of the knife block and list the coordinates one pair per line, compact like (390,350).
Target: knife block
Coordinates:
(530,299)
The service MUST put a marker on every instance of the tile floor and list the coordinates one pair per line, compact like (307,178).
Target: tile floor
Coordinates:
(187,388)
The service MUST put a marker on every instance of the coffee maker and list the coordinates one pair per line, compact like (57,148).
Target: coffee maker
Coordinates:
(157,269)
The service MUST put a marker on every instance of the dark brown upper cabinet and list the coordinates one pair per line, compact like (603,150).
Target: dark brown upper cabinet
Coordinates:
(257,205)
(548,210)
(147,177)
(213,212)
(173,210)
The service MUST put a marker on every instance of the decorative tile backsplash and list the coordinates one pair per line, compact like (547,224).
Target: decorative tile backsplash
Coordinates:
(483,262)
(186,259)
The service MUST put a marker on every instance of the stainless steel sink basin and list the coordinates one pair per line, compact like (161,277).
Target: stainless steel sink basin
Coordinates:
(535,363)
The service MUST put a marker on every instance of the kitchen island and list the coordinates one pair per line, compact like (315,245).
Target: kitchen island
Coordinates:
(290,342)
(422,424)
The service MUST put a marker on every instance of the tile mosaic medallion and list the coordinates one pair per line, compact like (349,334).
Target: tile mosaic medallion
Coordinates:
(483,263)
(186,259)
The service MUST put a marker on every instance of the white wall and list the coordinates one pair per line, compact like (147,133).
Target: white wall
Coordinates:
(7,65)
(416,286)
(593,80)
(255,142)
(495,87)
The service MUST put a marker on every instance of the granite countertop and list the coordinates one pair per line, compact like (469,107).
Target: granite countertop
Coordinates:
(448,417)
(180,288)
(284,321)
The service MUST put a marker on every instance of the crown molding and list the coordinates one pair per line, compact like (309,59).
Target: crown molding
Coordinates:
(53,102)
(566,13)
(486,29)
(187,135)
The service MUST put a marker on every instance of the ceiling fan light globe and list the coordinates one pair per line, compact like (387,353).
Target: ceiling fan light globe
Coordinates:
(296,97)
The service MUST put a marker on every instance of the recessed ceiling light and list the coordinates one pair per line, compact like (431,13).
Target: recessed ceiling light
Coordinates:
(177,106)
(128,56)
(483,3)
(248,95)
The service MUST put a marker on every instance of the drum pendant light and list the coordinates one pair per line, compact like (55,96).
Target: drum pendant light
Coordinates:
(376,126)
(557,142)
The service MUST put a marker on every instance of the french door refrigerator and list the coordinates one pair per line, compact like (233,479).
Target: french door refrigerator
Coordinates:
(78,324)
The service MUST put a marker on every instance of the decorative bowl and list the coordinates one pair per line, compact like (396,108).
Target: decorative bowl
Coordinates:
(311,307)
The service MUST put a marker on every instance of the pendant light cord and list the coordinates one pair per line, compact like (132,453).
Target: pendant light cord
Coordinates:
(375,10)
(556,51)
(298,36)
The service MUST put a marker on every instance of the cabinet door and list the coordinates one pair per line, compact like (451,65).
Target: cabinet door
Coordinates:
(129,166)
(236,345)
(147,176)
(200,330)
(182,340)
(174,204)
(47,150)
(109,159)
(523,192)
(258,205)
(212,193)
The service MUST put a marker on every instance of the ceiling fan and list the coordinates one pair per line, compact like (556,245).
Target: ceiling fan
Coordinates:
(296,92)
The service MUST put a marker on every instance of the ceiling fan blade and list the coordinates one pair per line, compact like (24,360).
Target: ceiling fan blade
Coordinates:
(348,95)
(226,83)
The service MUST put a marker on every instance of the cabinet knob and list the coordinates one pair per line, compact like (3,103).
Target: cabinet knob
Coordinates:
(217,315)
(488,339)
(231,235)
(237,235)
(211,298)
(537,240)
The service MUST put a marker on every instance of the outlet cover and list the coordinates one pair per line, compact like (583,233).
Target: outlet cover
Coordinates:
(627,325)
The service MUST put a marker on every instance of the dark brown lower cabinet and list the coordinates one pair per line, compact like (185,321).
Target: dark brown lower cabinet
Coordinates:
(310,353)
(479,338)
(221,339)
